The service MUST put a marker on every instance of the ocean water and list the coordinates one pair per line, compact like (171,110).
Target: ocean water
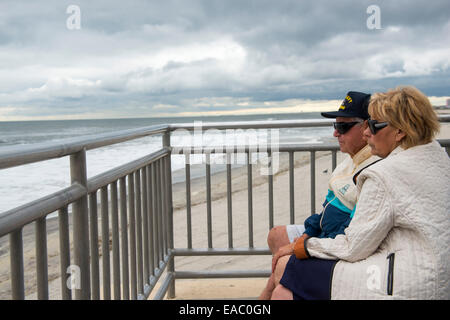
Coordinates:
(26,183)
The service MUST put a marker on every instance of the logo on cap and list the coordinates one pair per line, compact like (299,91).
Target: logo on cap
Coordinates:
(343,105)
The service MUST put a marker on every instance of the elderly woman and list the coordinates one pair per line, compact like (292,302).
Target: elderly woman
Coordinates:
(397,245)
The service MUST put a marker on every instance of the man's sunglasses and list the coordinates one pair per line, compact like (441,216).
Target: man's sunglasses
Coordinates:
(376,126)
(343,127)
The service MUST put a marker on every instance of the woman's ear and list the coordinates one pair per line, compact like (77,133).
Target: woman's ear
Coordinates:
(399,135)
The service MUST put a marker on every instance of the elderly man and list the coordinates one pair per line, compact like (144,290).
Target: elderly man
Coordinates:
(340,201)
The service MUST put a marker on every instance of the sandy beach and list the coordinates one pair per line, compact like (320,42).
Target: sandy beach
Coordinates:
(207,288)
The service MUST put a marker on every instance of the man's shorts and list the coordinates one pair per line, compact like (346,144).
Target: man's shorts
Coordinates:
(294,230)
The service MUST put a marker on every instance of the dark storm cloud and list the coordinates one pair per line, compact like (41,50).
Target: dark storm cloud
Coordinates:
(162,57)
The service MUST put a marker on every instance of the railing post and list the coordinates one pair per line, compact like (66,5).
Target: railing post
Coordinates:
(229,202)
(95,273)
(81,226)
(17,269)
(168,176)
(250,198)
(333,160)
(270,176)
(313,181)
(291,188)
(41,259)
(124,238)
(64,251)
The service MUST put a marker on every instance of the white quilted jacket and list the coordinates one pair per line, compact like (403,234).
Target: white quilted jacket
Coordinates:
(398,243)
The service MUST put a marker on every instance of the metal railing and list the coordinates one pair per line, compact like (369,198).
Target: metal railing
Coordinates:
(136,214)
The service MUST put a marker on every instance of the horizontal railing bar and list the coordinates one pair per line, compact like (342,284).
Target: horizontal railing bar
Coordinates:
(148,288)
(312,147)
(274,148)
(164,286)
(267,124)
(12,156)
(444,142)
(20,216)
(256,148)
(221,252)
(444,117)
(114,174)
(222,274)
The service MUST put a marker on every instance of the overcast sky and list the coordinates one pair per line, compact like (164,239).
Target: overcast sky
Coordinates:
(178,58)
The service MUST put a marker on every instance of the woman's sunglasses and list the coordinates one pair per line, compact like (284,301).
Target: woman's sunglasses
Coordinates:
(376,126)
(343,127)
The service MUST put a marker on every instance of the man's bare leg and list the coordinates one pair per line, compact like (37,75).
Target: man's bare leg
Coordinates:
(274,279)
(277,238)
(267,292)
(282,293)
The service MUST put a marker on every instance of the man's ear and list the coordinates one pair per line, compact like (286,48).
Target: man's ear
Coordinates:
(365,125)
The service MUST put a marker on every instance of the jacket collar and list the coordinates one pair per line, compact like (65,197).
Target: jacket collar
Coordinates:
(396,151)
(362,155)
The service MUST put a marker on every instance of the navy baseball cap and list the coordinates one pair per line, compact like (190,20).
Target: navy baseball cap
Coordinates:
(355,104)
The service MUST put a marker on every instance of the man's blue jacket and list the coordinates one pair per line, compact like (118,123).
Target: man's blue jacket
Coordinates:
(333,220)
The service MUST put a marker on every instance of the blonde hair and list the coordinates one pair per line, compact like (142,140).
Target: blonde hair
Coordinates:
(408,109)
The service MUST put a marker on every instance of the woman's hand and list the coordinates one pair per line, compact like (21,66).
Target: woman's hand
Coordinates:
(283,251)
(286,250)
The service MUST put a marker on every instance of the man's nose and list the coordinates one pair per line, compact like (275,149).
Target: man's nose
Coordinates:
(336,133)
